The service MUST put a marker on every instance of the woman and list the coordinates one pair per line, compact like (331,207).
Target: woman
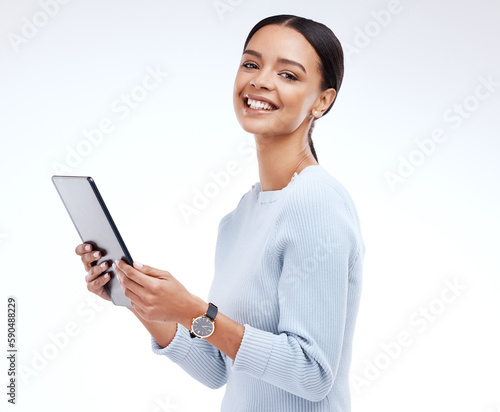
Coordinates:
(279,326)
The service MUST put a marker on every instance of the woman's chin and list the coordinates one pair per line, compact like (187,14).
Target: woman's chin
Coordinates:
(257,126)
(261,131)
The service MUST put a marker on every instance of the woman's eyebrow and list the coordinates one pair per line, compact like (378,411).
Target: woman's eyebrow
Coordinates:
(280,59)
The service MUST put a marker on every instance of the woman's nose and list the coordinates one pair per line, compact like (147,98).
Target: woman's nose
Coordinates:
(263,79)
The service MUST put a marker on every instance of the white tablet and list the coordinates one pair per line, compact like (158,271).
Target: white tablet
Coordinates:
(95,225)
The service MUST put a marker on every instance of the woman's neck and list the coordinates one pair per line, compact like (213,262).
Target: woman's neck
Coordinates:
(279,159)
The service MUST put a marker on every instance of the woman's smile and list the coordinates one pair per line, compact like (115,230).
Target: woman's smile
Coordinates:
(258,105)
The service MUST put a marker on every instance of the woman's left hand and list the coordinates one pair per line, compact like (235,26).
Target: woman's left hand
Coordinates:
(156,295)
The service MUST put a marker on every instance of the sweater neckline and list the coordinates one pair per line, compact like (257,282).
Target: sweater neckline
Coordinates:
(268,196)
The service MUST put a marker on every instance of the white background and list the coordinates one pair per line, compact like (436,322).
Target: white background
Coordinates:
(405,76)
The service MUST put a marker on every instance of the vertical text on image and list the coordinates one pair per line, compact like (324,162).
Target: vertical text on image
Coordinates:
(12,328)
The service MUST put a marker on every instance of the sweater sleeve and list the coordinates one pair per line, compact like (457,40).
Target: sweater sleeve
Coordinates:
(197,357)
(317,243)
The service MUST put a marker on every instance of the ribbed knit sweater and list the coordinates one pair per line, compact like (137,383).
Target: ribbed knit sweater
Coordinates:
(288,266)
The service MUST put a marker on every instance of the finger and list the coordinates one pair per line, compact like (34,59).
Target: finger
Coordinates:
(151,271)
(141,311)
(83,248)
(96,271)
(131,273)
(133,297)
(90,257)
(128,277)
(97,284)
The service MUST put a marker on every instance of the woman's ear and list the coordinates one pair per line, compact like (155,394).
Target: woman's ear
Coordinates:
(323,102)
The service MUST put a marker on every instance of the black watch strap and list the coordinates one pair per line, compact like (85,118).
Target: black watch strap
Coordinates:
(211,314)
(212,311)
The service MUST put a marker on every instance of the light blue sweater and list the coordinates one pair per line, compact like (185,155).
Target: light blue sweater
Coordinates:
(288,266)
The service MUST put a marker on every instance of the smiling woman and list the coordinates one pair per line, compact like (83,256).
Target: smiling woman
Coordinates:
(303,66)
(279,325)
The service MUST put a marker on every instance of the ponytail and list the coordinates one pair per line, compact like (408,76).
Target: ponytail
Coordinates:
(311,145)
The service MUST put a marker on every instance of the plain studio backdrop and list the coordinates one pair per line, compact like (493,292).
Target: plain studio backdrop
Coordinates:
(138,95)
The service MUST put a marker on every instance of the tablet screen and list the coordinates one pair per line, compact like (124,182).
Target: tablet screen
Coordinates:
(94,225)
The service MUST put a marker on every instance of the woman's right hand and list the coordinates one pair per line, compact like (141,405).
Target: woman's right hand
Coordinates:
(94,278)
(162,332)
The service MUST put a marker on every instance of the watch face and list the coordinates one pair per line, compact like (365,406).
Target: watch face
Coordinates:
(203,327)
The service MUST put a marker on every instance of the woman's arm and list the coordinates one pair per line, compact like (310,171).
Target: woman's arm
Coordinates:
(318,250)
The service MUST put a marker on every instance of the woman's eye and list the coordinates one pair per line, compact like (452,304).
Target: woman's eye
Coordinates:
(288,76)
(250,65)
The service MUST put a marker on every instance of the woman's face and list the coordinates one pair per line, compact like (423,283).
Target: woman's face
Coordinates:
(277,83)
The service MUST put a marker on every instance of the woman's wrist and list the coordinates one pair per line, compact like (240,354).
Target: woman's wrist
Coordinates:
(228,334)
(194,308)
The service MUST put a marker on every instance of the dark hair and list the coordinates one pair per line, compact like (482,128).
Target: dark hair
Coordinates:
(327,46)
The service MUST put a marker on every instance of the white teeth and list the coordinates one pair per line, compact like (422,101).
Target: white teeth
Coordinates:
(259,105)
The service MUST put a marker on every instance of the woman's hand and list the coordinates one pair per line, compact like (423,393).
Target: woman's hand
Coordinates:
(95,280)
(156,295)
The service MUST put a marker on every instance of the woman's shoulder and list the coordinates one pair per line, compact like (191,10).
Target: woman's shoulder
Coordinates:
(317,203)
(316,185)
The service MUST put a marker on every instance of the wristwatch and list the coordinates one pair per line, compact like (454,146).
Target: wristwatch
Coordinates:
(203,326)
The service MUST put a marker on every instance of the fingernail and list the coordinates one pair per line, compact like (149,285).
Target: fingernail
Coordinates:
(117,261)
(87,247)
(138,265)
(103,265)
(96,254)
(106,276)
(114,265)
